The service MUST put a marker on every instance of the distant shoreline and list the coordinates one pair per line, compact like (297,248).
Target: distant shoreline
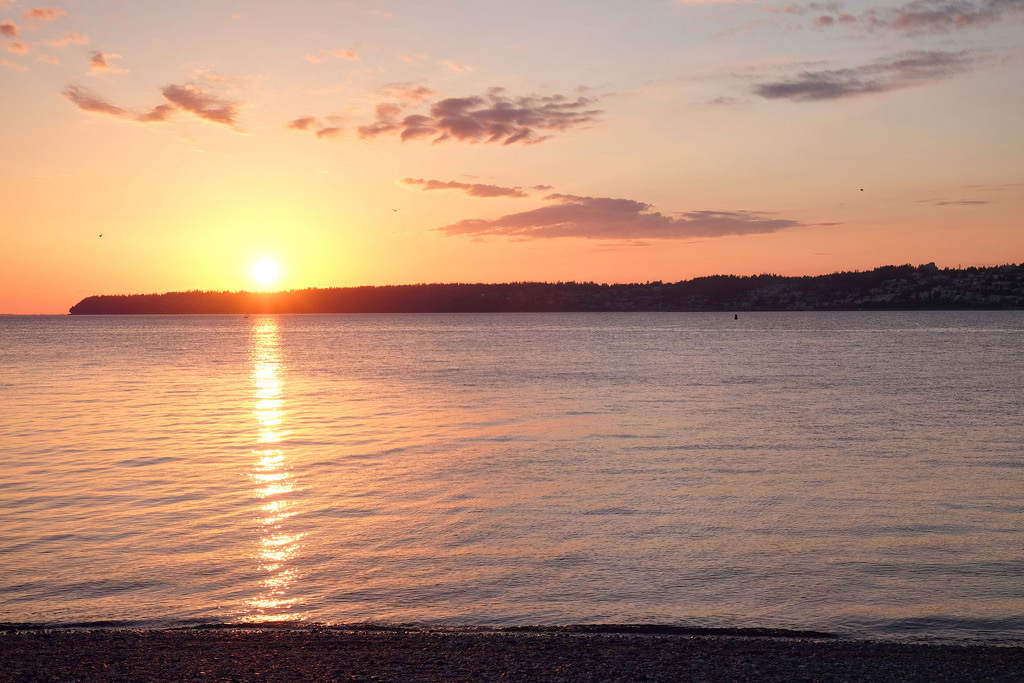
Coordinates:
(924,287)
(329,653)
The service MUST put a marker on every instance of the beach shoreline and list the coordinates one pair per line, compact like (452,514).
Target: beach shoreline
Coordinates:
(328,653)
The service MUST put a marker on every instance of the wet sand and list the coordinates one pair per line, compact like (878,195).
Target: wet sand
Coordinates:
(364,654)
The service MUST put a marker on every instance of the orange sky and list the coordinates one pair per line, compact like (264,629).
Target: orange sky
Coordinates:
(400,142)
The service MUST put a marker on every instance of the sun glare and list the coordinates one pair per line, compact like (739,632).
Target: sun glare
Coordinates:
(266,272)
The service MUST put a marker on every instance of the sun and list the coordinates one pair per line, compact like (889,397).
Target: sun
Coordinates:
(266,272)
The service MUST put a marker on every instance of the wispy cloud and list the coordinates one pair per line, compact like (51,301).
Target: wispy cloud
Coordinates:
(38,14)
(616,219)
(457,67)
(916,17)
(471,189)
(1000,187)
(324,55)
(903,71)
(941,16)
(398,97)
(412,59)
(826,20)
(408,93)
(7,64)
(69,38)
(959,202)
(87,101)
(189,98)
(17,47)
(8,28)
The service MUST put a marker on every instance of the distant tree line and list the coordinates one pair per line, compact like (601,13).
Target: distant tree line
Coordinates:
(886,288)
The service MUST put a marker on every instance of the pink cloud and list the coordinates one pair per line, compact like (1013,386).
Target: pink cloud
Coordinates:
(17,47)
(43,13)
(202,104)
(616,219)
(304,123)
(329,132)
(100,61)
(471,189)
(8,28)
(179,98)
(321,129)
(387,121)
(87,101)
(160,112)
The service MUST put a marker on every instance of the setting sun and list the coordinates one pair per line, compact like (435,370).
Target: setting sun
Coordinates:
(266,272)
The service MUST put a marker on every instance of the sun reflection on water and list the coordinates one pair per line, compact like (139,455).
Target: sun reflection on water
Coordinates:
(276,549)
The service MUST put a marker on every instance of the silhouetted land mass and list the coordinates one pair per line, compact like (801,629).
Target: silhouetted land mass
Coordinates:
(887,288)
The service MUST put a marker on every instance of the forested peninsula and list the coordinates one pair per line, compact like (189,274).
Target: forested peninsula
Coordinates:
(903,287)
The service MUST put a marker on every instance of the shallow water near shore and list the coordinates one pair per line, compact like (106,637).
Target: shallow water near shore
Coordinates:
(857,473)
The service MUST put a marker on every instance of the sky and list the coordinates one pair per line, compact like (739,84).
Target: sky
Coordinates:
(149,146)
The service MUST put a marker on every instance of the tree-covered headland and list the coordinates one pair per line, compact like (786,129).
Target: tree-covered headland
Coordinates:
(887,288)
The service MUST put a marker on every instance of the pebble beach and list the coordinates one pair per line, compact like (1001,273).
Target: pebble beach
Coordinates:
(398,654)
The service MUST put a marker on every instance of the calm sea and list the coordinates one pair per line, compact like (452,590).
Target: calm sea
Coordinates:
(861,473)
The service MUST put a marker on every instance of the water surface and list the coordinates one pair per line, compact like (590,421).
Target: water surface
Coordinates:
(850,472)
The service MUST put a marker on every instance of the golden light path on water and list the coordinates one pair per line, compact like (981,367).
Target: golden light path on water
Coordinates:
(276,549)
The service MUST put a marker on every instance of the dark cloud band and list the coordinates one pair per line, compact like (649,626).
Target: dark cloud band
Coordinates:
(490,118)
(905,70)
(616,219)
